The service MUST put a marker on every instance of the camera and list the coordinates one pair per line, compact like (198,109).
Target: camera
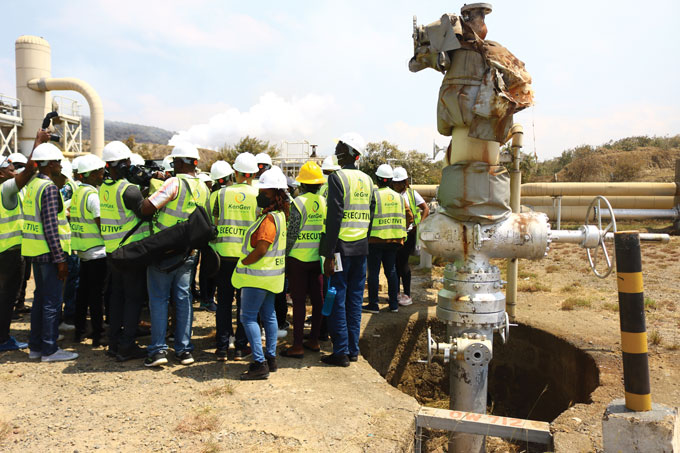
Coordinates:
(141,175)
(46,123)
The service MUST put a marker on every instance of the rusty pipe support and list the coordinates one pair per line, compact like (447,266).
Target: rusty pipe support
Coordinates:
(517,133)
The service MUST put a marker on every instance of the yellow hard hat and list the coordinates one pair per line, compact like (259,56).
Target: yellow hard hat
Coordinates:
(310,173)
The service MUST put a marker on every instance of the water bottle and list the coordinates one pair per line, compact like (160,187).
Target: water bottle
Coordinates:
(328,300)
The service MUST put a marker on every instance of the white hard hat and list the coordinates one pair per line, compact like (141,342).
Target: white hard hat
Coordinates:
(167,163)
(263,158)
(220,169)
(329,165)
(384,171)
(66,168)
(204,177)
(136,159)
(354,140)
(400,174)
(46,152)
(273,179)
(75,162)
(17,158)
(185,150)
(115,151)
(245,163)
(88,163)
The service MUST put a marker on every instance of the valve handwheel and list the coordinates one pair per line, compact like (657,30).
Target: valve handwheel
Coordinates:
(595,207)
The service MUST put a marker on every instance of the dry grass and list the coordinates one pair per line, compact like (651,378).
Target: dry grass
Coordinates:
(673,347)
(571,288)
(201,420)
(526,274)
(611,306)
(532,287)
(219,390)
(552,268)
(211,447)
(575,302)
(5,430)
(655,337)
(650,303)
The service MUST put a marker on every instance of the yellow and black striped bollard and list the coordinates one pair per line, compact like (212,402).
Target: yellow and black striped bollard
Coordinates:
(632,316)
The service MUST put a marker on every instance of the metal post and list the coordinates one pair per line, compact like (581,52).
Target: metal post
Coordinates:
(515,195)
(559,212)
(632,317)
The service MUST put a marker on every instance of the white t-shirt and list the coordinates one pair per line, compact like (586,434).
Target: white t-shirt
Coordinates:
(92,205)
(419,199)
(9,194)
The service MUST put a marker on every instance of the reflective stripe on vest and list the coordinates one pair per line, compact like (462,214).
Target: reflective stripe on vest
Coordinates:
(85,233)
(192,192)
(10,225)
(33,241)
(237,212)
(116,219)
(412,204)
(323,191)
(312,208)
(269,271)
(389,220)
(356,218)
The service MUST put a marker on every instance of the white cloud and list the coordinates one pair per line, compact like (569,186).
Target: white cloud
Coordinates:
(418,137)
(272,118)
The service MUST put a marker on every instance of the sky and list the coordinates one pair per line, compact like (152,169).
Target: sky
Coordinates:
(216,71)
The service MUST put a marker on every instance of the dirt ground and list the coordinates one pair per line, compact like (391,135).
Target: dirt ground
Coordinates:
(95,403)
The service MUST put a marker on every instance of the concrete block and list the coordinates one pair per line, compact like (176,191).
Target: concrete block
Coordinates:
(657,430)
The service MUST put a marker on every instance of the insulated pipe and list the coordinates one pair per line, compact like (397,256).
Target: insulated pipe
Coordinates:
(93,100)
(607,189)
(515,193)
(621,202)
(427,191)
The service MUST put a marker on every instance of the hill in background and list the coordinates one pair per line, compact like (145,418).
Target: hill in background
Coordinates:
(118,130)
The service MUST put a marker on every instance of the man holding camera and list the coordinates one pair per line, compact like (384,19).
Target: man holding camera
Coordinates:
(120,212)
(174,201)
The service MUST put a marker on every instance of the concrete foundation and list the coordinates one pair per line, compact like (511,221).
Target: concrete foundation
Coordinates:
(657,430)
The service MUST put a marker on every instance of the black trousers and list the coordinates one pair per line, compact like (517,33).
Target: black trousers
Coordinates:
(25,277)
(403,268)
(127,296)
(11,269)
(225,301)
(90,296)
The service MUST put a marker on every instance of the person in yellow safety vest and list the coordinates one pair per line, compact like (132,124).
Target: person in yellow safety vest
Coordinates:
(88,243)
(172,203)
(351,204)
(305,227)
(235,210)
(158,177)
(260,274)
(120,213)
(11,261)
(387,236)
(328,167)
(46,238)
(420,210)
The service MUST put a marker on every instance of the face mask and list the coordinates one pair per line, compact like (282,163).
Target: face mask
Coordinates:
(263,201)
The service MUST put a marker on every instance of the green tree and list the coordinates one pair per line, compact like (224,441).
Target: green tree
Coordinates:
(420,168)
(247,144)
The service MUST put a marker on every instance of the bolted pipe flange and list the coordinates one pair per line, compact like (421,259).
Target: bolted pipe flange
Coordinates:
(477,354)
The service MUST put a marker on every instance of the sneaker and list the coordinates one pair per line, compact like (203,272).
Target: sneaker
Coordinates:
(185,358)
(66,327)
(353,358)
(59,356)
(256,371)
(271,363)
(368,308)
(12,345)
(34,355)
(158,359)
(241,354)
(336,359)
(221,355)
(405,300)
(135,352)
(394,310)
(281,333)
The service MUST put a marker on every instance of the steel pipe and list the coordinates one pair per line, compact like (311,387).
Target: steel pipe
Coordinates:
(578,213)
(540,189)
(617,202)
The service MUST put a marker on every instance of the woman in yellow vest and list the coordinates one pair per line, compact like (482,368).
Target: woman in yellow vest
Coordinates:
(260,274)
(305,227)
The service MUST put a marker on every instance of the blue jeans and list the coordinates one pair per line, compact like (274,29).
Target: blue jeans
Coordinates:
(45,309)
(387,255)
(71,288)
(161,286)
(225,301)
(254,301)
(344,322)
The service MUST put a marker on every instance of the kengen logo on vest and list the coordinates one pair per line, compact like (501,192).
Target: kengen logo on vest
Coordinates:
(361,193)
(315,206)
(105,196)
(240,197)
